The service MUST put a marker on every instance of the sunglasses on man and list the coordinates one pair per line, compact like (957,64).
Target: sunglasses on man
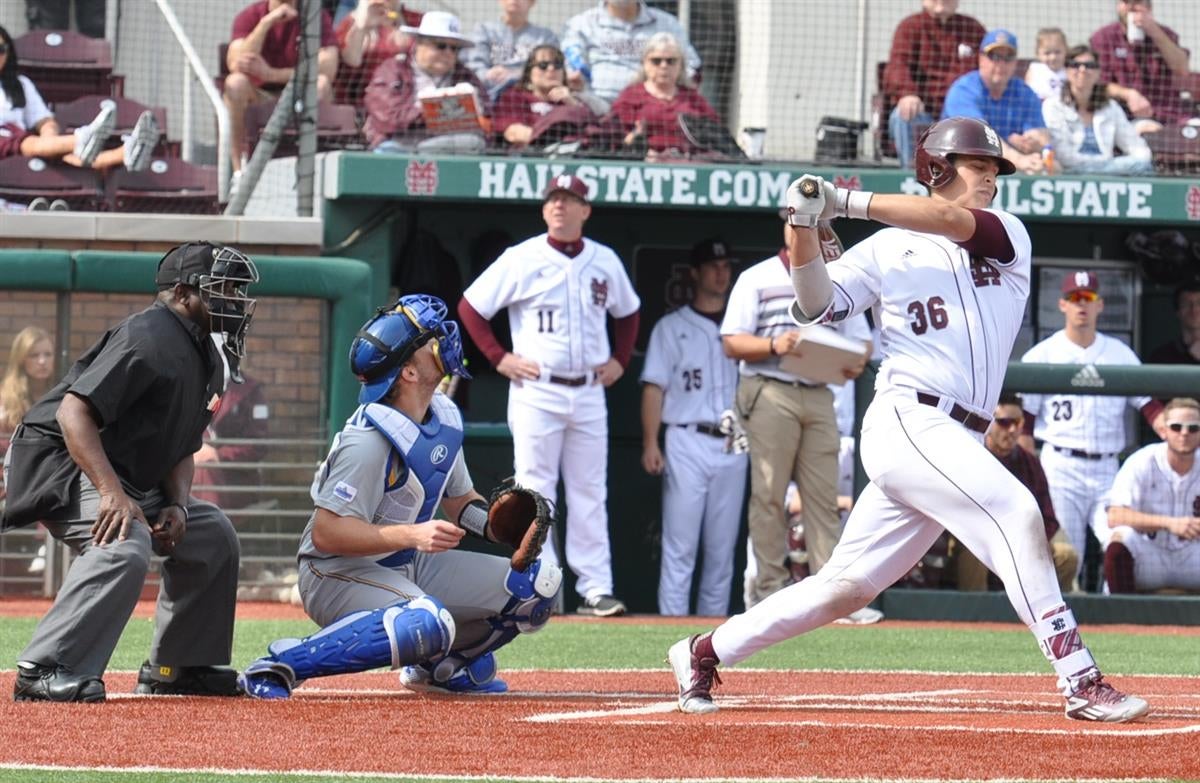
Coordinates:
(1191,429)
(1079,297)
(442,46)
(998,57)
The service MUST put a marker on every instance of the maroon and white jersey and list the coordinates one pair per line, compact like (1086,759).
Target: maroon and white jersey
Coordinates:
(1147,483)
(948,319)
(557,305)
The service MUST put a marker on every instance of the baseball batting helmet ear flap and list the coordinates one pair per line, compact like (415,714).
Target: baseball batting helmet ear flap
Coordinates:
(394,334)
(956,136)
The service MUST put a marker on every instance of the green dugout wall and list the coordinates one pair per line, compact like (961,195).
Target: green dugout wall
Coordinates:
(343,282)
(375,205)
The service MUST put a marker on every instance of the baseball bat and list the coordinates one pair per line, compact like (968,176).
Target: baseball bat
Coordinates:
(809,188)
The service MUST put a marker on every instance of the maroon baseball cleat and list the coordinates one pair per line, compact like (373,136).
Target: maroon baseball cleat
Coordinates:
(1097,700)
(696,676)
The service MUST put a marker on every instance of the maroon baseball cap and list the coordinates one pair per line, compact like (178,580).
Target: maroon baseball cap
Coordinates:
(1080,280)
(568,182)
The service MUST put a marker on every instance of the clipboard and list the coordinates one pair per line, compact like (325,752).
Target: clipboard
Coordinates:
(822,355)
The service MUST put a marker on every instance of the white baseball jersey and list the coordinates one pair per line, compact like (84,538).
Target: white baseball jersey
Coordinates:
(1091,423)
(758,305)
(1146,483)
(686,360)
(934,284)
(557,304)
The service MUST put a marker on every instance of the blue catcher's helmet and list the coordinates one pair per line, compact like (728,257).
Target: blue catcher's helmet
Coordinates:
(394,334)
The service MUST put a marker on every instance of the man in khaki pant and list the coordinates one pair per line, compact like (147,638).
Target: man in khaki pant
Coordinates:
(789,421)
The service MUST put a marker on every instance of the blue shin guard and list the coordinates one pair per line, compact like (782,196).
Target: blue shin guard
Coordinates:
(473,669)
(398,635)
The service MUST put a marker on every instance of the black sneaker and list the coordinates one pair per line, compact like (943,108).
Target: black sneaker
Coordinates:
(36,682)
(601,606)
(186,681)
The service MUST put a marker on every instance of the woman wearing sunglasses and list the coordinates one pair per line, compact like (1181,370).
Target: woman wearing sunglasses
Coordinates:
(541,107)
(28,128)
(1089,130)
(648,110)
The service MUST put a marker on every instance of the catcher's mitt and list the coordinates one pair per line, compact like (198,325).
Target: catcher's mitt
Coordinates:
(520,518)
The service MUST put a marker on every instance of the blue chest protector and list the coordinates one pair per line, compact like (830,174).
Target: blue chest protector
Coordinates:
(423,454)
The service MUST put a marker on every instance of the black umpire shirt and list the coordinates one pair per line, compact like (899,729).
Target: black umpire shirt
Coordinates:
(152,382)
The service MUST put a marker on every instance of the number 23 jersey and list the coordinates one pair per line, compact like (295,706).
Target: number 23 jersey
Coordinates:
(948,318)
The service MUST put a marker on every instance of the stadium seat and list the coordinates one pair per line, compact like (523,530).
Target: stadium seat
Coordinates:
(168,185)
(337,128)
(83,110)
(65,65)
(24,179)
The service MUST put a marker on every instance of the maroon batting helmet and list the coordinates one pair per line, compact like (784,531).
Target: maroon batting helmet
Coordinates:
(956,136)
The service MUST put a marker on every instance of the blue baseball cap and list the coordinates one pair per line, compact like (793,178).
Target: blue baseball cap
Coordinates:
(998,38)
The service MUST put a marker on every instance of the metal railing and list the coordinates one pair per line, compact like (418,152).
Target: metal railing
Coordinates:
(194,70)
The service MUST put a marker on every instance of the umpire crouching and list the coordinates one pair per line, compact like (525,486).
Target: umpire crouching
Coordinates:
(104,460)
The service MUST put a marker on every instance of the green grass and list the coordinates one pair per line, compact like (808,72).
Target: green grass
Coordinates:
(598,645)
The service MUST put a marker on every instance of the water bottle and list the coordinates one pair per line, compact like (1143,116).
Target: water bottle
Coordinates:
(1048,159)
(576,61)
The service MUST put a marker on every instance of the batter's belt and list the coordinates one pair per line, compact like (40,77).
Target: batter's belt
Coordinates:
(971,421)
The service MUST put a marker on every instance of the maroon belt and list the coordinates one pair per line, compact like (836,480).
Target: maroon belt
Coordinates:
(580,381)
(971,421)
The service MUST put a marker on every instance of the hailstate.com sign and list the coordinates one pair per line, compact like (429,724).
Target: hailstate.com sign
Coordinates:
(744,187)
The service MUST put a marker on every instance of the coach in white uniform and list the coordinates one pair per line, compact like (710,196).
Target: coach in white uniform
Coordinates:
(951,277)
(1154,507)
(1082,433)
(688,382)
(559,287)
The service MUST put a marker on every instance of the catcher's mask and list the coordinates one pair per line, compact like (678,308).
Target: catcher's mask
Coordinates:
(394,334)
(222,275)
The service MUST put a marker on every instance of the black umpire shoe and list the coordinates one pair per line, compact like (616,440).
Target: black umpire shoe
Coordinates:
(186,681)
(37,682)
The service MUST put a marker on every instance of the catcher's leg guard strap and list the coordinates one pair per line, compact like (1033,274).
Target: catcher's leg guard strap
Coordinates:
(533,591)
(398,635)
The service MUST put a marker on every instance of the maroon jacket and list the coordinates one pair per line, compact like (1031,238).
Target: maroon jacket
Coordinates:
(391,98)
(1028,471)
(927,57)
(1140,66)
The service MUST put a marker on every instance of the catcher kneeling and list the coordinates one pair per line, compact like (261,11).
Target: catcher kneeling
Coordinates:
(378,570)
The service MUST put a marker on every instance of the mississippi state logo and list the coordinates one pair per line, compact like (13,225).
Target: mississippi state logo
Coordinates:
(599,292)
(421,178)
(992,138)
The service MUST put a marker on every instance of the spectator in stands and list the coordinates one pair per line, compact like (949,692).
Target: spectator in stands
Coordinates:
(365,38)
(28,128)
(1141,61)
(994,94)
(929,51)
(29,375)
(1088,128)
(395,122)
(1001,440)
(261,58)
(340,9)
(647,111)
(1048,73)
(1154,509)
(542,100)
(1186,348)
(1081,434)
(502,48)
(55,15)
(602,45)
